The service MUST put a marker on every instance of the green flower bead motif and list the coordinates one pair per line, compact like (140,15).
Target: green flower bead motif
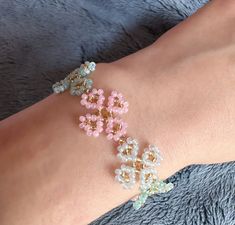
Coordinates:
(60,86)
(86,68)
(140,201)
(157,187)
(77,81)
(82,72)
(137,205)
(77,90)
(88,83)
(80,85)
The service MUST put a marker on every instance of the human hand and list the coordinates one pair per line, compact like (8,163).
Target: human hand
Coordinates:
(181,96)
(181,89)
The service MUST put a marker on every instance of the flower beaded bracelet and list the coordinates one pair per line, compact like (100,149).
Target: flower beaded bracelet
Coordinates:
(105,117)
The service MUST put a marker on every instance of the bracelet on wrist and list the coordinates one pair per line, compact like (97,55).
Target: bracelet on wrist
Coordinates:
(105,116)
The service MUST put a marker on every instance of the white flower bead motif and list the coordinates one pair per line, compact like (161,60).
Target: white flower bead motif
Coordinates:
(151,156)
(128,151)
(126,176)
(147,177)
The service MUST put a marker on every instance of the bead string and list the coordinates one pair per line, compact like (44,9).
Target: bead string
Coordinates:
(105,116)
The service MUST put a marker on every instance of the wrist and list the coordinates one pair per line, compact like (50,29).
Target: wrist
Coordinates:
(149,117)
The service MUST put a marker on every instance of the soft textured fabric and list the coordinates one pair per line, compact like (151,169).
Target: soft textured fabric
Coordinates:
(43,40)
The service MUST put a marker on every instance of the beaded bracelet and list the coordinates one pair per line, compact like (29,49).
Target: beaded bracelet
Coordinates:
(105,116)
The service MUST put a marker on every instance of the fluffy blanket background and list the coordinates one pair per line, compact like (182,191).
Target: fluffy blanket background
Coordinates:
(43,40)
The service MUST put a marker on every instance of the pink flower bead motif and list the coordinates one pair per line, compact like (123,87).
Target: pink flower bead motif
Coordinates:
(94,99)
(92,124)
(104,114)
(115,128)
(117,103)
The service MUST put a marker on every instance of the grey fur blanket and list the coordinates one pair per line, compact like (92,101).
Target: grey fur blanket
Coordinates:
(41,41)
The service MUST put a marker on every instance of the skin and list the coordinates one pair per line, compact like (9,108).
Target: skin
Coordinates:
(181,95)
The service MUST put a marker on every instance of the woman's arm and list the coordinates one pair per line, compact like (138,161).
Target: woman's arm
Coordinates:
(51,171)
(181,96)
